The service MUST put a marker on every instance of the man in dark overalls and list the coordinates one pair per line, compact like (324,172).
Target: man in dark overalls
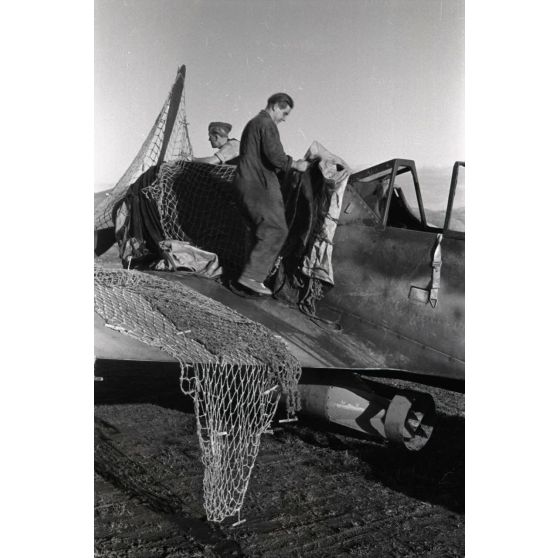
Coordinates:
(261,157)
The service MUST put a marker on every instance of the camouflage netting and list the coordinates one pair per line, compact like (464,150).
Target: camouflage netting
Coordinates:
(234,369)
(197,202)
(167,140)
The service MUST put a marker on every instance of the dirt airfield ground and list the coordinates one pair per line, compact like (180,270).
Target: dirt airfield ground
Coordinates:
(312,493)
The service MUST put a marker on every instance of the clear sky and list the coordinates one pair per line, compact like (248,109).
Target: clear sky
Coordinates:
(371,79)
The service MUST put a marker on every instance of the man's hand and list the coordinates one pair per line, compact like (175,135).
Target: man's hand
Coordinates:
(301,165)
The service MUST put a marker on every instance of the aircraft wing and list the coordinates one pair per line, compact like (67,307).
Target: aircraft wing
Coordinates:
(315,346)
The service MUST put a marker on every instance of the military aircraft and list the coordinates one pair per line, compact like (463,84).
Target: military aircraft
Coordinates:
(396,309)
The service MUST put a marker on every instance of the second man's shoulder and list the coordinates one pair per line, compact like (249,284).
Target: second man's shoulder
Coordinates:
(262,119)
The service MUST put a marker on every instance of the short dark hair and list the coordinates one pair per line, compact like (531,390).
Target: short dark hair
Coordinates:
(281,99)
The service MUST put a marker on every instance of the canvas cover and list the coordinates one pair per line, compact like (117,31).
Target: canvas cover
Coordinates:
(335,171)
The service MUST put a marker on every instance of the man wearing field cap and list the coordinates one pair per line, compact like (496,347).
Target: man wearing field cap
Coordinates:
(227,149)
(261,157)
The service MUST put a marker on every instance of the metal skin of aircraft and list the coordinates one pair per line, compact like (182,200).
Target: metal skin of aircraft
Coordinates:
(398,306)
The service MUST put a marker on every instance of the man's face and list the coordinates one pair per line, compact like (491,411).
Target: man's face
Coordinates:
(279,114)
(216,140)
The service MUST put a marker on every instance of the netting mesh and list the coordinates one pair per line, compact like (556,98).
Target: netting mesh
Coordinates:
(234,369)
(167,140)
(197,202)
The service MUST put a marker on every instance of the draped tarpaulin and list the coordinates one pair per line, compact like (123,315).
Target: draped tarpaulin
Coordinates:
(335,171)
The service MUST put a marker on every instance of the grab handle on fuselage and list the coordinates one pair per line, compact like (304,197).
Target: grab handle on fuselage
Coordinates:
(436,271)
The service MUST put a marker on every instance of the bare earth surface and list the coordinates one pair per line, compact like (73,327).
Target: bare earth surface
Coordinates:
(312,493)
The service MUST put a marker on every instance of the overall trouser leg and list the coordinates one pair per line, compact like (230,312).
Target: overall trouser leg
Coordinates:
(266,210)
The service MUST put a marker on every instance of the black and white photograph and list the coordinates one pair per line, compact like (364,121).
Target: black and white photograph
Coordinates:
(279,278)
(265,356)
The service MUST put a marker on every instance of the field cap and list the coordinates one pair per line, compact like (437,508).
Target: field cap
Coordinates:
(221,128)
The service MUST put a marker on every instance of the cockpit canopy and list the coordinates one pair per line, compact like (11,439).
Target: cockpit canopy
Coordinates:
(392,193)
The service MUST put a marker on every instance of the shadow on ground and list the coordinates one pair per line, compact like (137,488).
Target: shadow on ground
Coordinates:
(436,474)
(125,382)
(135,474)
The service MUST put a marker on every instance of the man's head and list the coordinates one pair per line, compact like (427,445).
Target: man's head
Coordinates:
(279,106)
(219,133)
